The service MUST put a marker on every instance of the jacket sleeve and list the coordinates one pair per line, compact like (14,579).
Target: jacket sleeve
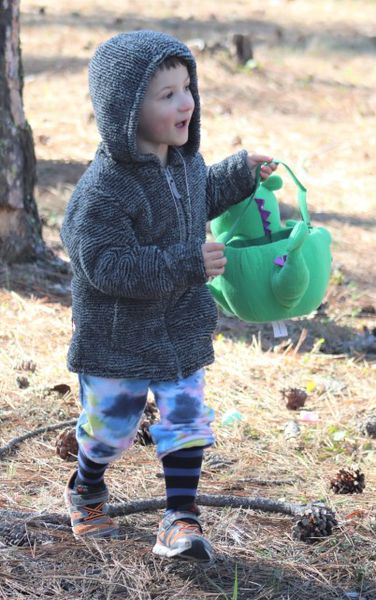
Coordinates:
(228,182)
(117,265)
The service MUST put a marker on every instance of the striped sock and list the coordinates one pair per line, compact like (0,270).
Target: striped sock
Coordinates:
(89,473)
(182,471)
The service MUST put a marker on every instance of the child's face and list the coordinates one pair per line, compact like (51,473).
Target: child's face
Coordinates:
(165,112)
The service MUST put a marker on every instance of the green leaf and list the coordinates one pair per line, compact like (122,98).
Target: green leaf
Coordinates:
(235,593)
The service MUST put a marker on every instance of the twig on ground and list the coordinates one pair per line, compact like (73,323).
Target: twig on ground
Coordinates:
(266,481)
(128,508)
(21,438)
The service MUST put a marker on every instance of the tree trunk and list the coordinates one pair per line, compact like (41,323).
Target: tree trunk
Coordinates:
(20,226)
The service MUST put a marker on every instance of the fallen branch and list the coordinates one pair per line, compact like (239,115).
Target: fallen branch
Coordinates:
(264,504)
(21,438)
(128,508)
(266,481)
(314,520)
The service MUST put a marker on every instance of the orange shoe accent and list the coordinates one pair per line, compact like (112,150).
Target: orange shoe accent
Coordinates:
(180,535)
(87,511)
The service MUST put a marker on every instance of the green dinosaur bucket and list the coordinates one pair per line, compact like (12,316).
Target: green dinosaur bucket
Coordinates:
(273,272)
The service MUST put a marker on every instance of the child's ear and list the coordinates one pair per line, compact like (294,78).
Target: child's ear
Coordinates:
(274,182)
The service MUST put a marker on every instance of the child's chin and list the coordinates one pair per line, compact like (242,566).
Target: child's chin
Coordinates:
(183,134)
(182,138)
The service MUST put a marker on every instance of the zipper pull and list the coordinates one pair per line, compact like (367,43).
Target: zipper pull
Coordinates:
(172,184)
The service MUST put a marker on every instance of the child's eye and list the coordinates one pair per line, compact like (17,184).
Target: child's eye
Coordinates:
(188,87)
(169,95)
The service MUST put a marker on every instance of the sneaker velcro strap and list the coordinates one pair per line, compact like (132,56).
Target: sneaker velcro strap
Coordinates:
(171,517)
(85,499)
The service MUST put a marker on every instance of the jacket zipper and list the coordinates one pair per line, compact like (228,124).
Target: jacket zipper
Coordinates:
(177,201)
(179,211)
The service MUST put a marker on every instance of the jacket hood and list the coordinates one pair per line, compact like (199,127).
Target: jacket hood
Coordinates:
(119,74)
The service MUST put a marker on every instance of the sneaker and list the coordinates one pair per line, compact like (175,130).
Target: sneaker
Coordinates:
(87,512)
(180,535)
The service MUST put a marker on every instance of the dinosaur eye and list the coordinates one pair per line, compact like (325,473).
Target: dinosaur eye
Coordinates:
(274,182)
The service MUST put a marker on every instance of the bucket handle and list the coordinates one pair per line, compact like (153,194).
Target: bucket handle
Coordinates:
(302,197)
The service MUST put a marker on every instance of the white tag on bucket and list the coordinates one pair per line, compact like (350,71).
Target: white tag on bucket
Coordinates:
(279,329)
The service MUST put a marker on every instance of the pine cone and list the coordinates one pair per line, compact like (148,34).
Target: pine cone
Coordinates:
(151,412)
(348,481)
(66,445)
(22,382)
(150,416)
(317,521)
(143,434)
(369,426)
(26,365)
(295,398)
(15,534)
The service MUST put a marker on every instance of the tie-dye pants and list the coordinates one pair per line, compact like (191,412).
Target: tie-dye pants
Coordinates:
(112,410)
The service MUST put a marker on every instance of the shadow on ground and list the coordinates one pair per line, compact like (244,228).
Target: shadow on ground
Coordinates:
(258,579)
(87,575)
(346,40)
(47,278)
(50,278)
(51,173)
(353,220)
(35,65)
(319,333)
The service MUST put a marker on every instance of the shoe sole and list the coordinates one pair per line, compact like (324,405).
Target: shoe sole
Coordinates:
(110,535)
(196,551)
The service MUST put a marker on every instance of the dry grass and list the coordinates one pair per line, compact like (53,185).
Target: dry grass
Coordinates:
(311,102)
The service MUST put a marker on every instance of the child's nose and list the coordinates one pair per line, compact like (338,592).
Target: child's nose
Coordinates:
(187,103)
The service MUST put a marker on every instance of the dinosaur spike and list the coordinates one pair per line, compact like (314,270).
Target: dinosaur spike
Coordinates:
(264,214)
(280,260)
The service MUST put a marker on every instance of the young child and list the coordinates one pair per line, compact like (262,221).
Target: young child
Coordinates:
(143,317)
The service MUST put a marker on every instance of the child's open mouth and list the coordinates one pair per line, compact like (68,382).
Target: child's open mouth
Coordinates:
(182,124)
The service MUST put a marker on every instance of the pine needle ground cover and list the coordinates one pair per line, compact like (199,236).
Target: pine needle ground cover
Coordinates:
(295,416)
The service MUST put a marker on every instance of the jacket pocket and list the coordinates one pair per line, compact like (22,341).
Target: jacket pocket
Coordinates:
(197,309)
(138,328)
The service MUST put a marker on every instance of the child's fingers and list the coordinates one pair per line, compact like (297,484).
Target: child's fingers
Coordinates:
(267,170)
(215,272)
(212,256)
(214,245)
(261,158)
(216,267)
(219,262)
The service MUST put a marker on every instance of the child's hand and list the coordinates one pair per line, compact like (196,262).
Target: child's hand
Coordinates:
(214,259)
(266,170)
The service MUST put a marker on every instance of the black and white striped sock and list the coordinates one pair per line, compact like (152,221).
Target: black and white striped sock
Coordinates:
(90,473)
(182,470)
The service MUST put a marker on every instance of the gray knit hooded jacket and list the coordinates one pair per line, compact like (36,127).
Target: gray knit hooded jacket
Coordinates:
(133,229)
